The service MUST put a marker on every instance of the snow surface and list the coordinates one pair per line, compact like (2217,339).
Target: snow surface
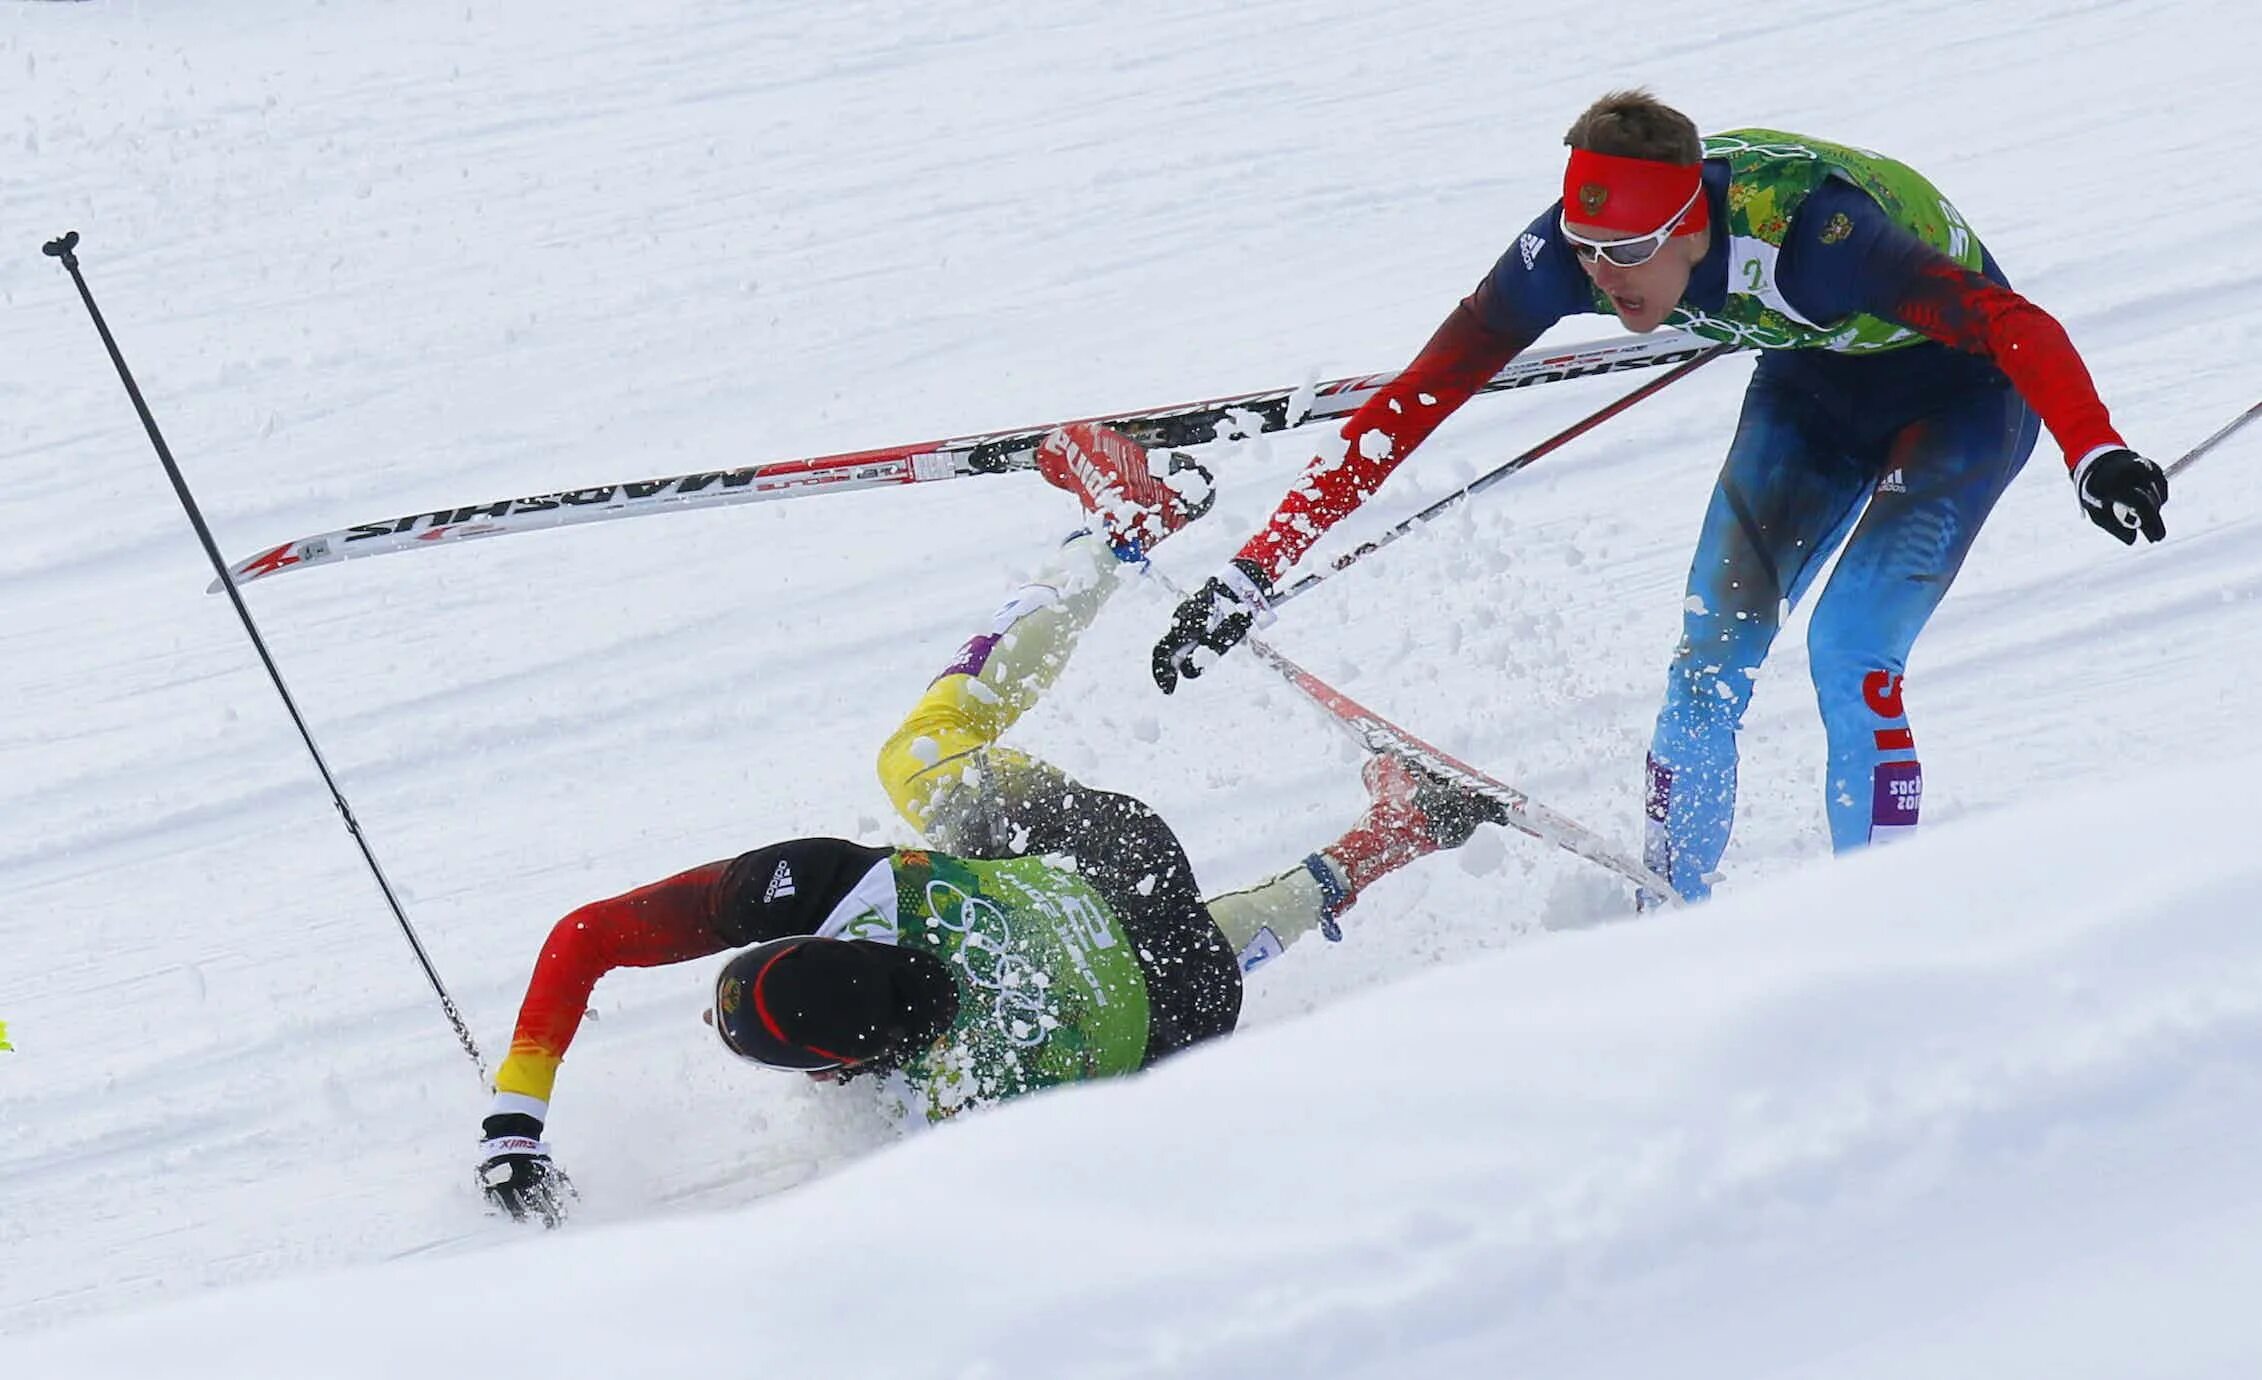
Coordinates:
(1981,1105)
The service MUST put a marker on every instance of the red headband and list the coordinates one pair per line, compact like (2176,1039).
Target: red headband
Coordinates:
(1632,196)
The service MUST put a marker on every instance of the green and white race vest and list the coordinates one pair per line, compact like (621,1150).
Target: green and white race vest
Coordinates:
(1049,987)
(1770,173)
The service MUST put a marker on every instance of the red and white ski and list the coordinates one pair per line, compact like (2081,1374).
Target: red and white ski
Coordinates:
(1184,424)
(1378,734)
(1525,815)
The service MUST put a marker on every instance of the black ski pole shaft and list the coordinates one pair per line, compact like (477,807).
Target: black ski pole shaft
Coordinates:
(2190,457)
(63,248)
(1493,476)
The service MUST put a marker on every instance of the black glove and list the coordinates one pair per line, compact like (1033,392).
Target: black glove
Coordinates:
(1215,617)
(516,1173)
(2123,493)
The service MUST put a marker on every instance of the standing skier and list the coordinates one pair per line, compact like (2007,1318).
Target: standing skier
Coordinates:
(1898,390)
(1062,937)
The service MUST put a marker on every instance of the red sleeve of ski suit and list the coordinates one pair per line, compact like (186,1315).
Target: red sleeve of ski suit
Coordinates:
(1843,254)
(1966,311)
(784,888)
(666,922)
(1457,361)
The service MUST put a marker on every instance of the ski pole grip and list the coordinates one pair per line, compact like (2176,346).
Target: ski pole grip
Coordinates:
(61,246)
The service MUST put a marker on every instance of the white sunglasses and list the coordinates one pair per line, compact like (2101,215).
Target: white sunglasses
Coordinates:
(1631,253)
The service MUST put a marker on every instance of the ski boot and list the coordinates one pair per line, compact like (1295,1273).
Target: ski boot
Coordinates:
(1110,475)
(1413,811)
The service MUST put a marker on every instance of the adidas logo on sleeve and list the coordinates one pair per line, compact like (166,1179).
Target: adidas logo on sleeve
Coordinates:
(781,883)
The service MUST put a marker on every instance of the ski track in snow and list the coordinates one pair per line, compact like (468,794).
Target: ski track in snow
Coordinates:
(375,259)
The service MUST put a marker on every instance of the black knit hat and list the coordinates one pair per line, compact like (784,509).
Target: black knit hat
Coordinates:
(807,1003)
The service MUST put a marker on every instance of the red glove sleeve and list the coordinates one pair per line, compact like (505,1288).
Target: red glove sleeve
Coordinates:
(1962,309)
(1457,361)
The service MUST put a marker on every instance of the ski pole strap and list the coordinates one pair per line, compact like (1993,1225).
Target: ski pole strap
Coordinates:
(1333,897)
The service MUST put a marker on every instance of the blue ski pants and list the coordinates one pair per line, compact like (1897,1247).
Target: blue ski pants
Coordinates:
(1899,458)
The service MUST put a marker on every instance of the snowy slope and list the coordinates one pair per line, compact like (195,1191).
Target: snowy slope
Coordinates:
(371,259)
(1994,1118)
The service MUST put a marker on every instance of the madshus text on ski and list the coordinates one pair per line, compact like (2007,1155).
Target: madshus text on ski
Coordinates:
(997,452)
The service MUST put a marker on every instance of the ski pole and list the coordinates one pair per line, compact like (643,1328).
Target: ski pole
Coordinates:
(2189,457)
(1379,735)
(62,248)
(1485,481)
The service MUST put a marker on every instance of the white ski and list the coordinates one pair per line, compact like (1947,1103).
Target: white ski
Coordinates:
(1184,424)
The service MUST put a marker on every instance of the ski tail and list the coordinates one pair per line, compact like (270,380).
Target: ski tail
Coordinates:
(714,488)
